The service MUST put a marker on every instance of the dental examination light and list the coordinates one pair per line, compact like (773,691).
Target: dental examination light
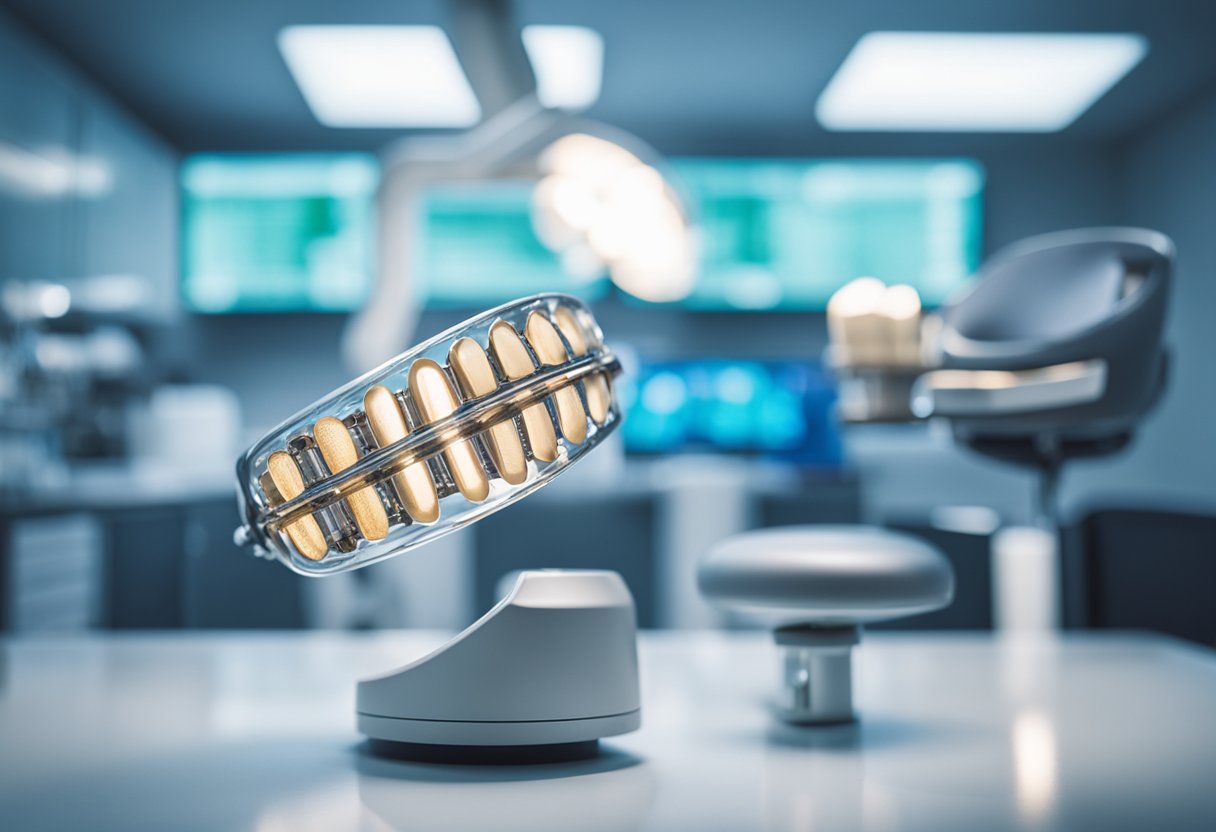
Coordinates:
(597,203)
(603,209)
(437,438)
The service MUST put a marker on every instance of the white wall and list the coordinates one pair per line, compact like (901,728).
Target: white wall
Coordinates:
(1168,174)
(119,217)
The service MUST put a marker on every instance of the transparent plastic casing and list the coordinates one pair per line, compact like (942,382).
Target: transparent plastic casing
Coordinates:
(343,483)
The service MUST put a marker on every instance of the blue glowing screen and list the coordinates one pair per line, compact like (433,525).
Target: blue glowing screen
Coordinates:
(780,409)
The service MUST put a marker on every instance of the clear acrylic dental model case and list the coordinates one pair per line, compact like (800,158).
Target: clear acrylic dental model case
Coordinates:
(440,436)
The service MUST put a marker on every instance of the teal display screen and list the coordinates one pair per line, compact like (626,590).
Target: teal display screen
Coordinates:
(787,234)
(277,233)
(294,233)
(476,248)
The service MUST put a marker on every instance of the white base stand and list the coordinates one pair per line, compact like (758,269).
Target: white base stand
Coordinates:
(553,663)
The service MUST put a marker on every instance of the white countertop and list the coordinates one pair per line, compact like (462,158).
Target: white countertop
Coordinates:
(249,731)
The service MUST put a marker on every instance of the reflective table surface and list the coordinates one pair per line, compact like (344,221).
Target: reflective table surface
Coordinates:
(246,731)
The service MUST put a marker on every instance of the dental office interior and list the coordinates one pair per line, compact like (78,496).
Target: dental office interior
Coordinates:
(864,283)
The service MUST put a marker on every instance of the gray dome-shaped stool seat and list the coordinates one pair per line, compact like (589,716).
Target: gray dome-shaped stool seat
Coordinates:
(818,585)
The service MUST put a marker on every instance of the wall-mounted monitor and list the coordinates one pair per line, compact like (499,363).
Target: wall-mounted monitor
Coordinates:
(294,233)
(476,248)
(277,233)
(774,234)
(779,409)
(787,234)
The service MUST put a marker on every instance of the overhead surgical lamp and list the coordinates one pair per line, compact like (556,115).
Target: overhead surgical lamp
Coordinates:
(603,209)
(601,201)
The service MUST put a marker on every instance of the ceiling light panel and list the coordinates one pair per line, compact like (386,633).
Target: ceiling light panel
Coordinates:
(409,76)
(974,82)
(568,62)
(379,76)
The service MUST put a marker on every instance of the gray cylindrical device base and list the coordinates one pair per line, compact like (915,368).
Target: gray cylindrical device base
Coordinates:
(817,673)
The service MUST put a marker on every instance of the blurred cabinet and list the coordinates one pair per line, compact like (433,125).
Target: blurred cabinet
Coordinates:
(970,556)
(614,532)
(143,570)
(176,566)
(1146,570)
(226,587)
(144,567)
(654,535)
(52,574)
(835,500)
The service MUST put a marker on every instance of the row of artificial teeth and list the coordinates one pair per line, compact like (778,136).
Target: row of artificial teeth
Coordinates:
(432,393)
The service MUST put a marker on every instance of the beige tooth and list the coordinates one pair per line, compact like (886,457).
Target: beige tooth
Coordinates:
(476,378)
(570,327)
(552,352)
(305,534)
(435,398)
(339,452)
(414,484)
(599,396)
(515,362)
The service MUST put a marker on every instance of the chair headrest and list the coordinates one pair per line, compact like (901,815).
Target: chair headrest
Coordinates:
(1092,298)
(1050,295)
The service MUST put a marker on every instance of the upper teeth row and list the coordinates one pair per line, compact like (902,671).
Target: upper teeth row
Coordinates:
(436,392)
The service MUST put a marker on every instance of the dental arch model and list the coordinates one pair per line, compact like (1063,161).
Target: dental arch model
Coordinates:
(436,438)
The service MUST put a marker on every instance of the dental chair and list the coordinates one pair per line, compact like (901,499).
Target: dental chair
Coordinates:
(1056,353)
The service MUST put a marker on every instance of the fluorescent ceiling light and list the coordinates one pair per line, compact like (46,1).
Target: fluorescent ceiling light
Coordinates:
(954,81)
(568,62)
(379,76)
(409,76)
